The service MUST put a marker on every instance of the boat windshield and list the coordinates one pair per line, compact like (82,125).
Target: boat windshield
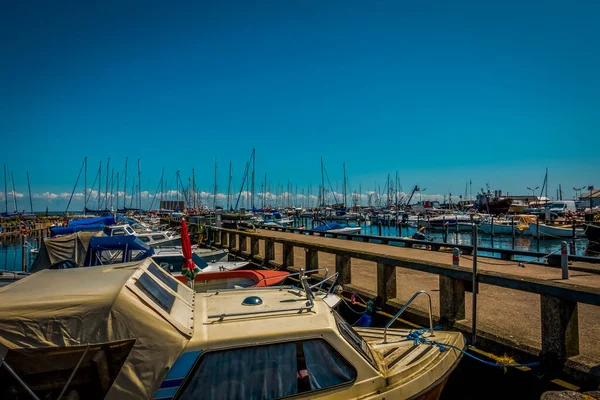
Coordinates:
(354,339)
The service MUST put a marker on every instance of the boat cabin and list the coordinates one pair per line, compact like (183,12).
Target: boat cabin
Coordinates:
(162,238)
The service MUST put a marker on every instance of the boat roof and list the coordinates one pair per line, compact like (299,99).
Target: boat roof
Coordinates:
(98,305)
(223,321)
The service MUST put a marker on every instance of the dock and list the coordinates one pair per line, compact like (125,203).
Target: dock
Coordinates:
(525,308)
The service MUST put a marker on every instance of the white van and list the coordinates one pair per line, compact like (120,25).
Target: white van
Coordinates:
(562,207)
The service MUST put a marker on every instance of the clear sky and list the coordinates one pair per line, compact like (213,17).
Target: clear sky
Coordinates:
(441,91)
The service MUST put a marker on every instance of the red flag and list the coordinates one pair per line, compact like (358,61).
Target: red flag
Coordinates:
(189,269)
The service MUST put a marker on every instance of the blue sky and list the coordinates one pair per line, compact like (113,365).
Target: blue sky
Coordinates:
(441,92)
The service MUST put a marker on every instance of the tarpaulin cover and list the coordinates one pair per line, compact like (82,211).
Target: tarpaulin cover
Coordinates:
(93,221)
(71,307)
(67,230)
(67,247)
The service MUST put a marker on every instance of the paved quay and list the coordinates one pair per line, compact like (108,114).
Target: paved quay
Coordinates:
(507,313)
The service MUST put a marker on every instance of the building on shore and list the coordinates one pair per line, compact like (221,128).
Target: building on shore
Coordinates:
(595,198)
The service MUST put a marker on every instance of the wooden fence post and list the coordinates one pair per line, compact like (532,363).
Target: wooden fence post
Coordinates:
(452,299)
(386,282)
(560,329)
(243,243)
(232,238)
(269,250)
(253,246)
(288,255)
(311,259)
(343,266)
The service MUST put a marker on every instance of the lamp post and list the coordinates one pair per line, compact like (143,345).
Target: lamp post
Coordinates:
(578,190)
(533,190)
(591,189)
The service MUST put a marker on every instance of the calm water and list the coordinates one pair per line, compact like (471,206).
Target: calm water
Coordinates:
(524,243)
(527,243)
(11,255)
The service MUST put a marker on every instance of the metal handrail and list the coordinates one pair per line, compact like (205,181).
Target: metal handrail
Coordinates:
(320,284)
(404,308)
(308,306)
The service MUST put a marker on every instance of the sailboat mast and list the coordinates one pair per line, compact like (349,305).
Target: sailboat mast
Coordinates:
(229,186)
(99,183)
(139,186)
(215,193)
(322,184)
(345,200)
(5,192)
(117,208)
(546,185)
(106,188)
(125,186)
(85,185)
(253,171)
(112,186)
(162,187)
(193,188)
(29,188)
(12,176)
(264,202)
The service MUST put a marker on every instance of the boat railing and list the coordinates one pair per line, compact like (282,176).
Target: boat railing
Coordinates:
(304,307)
(332,278)
(404,308)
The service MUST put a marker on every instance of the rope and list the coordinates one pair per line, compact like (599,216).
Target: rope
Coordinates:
(351,309)
(416,337)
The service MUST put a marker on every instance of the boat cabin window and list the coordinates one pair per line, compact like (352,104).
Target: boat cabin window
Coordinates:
(47,370)
(158,237)
(118,232)
(154,291)
(354,339)
(162,276)
(267,372)
(129,230)
(144,239)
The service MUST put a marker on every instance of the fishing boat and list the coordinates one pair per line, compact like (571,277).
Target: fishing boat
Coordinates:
(134,332)
(554,231)
(592,232)
(334,227)
(449,220)
(505,226)
(517,206)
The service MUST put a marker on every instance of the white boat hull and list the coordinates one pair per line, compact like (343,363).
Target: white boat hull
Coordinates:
(554,231)
(502,229)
